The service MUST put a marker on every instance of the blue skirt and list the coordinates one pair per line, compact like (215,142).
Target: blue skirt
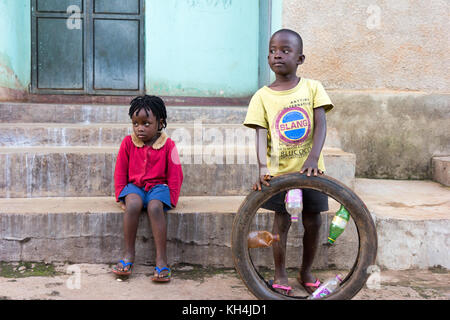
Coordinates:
(159,192)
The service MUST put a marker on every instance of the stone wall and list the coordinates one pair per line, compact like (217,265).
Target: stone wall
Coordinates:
(373,44)
(393,135)
(385,66)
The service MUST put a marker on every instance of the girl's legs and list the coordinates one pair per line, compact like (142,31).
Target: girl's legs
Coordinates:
(281,225)
(133,208)
(159,229)
(311,223)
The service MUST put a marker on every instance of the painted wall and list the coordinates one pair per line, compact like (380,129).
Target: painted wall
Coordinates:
(270,20)
(202,47)
(385,64)
(374,44)
(193,47)
(15,44)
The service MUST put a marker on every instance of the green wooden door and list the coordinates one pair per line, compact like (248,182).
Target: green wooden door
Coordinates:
(88,46)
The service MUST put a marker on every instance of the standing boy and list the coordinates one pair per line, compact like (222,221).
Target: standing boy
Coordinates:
(289,118)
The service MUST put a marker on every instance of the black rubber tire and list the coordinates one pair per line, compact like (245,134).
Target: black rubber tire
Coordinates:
(367,236)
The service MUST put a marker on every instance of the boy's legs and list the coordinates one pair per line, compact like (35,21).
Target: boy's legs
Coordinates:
(311,224)
(159,229)
(314,203)
(281,225)
(133,208)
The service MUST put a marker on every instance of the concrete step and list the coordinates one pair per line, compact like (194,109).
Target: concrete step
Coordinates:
(93,113)
(89,171)
(90,230)
(441,170)
(111,134)
(412,220)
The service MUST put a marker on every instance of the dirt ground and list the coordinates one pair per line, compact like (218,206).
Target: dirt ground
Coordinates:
(39,281)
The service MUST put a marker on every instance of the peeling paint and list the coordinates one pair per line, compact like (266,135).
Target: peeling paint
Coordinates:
(15,44)
(8,78)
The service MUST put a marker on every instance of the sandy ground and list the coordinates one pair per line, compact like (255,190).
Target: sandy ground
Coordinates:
(96,282)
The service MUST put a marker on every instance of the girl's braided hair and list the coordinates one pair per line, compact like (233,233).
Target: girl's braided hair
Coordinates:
(149,103)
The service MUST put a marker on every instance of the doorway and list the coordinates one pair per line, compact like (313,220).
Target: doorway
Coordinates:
(87,47)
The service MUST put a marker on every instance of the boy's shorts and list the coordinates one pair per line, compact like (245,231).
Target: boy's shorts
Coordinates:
(313,201)
(159,192)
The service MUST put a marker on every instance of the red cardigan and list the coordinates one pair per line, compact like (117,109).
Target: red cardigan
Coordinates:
(147,166)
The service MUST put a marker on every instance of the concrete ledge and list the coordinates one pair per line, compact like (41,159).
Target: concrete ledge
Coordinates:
(412,220)
(409,244)
(89,171)
(95,113)
(112,134)
(441,170)
(199,232)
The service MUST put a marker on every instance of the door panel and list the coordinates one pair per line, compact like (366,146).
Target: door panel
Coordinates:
(57,5)
(59,55)
(117,6)
(116,67)
(88,47)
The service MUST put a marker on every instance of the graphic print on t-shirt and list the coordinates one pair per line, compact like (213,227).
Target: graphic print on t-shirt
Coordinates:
(293,125)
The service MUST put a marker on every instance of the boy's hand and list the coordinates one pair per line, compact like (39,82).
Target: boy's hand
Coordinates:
(310,166)
(264,176)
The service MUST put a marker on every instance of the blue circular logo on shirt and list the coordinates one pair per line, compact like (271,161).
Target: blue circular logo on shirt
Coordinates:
(293,125)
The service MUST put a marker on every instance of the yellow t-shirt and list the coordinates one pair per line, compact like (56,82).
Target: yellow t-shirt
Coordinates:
(289,118)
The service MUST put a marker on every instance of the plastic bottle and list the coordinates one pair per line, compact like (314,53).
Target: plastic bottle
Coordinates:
(294,203)
(261,239)
(338,224)
(327,287)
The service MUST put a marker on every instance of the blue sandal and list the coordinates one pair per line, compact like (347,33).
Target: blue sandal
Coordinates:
(157,276)
(123,272)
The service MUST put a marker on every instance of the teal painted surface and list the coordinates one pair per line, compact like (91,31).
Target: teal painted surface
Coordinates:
(276,24)
(277,15)
(270,15)
(193,47)
(265,20)
(15,44)
(202,47)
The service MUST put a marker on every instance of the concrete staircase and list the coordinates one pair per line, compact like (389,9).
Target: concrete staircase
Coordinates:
(56,186)
(41,156)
